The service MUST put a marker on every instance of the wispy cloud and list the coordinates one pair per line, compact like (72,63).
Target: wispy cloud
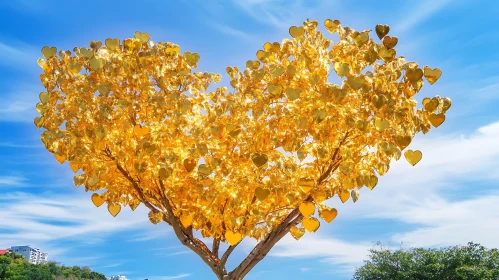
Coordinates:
(11,181)
(341,253)
(418,11)
(153,234)
(109,265)
(14,145)
(282,14)
(37,219)
(173,254)
(179,276)
(231,31)
(305,269)
(19,100)
(18,55)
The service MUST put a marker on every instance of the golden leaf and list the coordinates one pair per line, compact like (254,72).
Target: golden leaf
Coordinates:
(328,214)
(142,36)
(306,184)
(49,52)
(413,157)
(114,209)
(140,130)
(296,32)
(403,141)
(134,203)
(293,93)
(97,200)
(344,195)
(97,63)
(437,119)
(371,181)
(307,208)
(233,237)
(381,125)
(432,75)
(414,74)
(74,166)
(297,233)
(189,164)
(342,69)
(311,224)
(186,219)
(38,122)
(331,25)
(355,195)
(60,158)
(382,30)
(261,193)
(387,54)
(259,159)
(87,53)
(112,44)
(191,58)
(390,42)
(79,179)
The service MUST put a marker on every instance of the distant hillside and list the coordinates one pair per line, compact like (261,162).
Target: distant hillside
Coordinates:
(16,267)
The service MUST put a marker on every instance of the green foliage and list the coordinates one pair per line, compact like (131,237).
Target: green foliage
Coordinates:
(472,262)
(15,267)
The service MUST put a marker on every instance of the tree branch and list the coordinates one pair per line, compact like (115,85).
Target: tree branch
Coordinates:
(293,218)
(185,236)
(226,255)
(134,183)
(216,246)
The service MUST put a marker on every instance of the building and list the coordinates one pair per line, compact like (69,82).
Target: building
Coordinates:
(118,277)
(5,251)
(33,255)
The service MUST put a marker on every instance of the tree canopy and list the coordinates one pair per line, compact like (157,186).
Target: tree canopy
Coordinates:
(471,262)
(260,160)
(16,267)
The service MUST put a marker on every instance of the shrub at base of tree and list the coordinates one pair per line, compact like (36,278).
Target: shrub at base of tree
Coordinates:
(471,262)
(16,267)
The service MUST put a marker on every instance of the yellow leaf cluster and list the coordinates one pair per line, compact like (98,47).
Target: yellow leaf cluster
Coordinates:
(141,125)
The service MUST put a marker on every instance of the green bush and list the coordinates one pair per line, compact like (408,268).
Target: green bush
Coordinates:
(15,267)
(471,262)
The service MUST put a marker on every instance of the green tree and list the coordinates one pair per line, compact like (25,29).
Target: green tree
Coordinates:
(471,262)
(15,267)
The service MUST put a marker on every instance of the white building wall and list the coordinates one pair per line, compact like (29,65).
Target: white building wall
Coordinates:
(32,255)
(118,277)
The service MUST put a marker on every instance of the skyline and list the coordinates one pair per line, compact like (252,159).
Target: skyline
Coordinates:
(449,198)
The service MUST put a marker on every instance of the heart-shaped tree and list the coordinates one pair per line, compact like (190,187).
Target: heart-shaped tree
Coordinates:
(256,162)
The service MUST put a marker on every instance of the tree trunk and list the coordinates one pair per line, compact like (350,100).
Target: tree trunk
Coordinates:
(218,265)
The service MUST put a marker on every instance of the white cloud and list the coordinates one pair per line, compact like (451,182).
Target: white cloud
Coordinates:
(173,254)
(15,145)
(415,15)
(108,265)
(18,55)
(149,235)
(226,29)
(19,101)
(282,14)
(316,245)
(35,220)
(179,276)
(305,269)
(11,181)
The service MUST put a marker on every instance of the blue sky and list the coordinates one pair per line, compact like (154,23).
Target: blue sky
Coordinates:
(449,198)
